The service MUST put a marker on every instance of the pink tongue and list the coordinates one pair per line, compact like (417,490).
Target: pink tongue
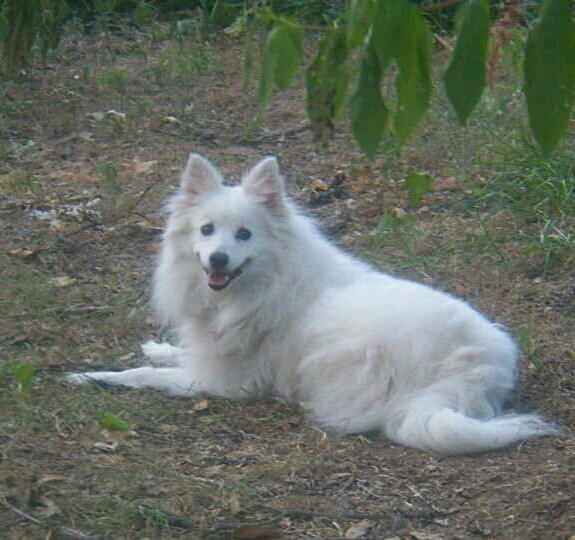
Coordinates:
(218,279)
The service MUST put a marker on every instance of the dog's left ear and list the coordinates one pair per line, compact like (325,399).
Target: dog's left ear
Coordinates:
(266,183)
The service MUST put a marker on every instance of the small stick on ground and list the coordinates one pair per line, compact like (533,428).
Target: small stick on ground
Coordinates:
(59,531)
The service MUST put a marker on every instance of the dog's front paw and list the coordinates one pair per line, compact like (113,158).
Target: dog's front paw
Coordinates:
(98,378)
(152,349)
(77,378)
(161,354)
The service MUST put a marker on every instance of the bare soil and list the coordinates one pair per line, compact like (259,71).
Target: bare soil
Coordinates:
(80,217)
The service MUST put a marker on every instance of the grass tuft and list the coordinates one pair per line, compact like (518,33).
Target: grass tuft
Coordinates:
(182,63)
(114,78)
(541,193)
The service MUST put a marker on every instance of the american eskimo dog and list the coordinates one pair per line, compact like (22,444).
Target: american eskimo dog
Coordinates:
(264,305)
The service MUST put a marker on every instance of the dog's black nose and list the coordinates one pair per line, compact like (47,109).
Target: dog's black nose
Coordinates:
(219,260)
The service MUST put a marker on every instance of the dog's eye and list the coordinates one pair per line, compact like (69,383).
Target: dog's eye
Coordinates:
(243,234)
(207,229)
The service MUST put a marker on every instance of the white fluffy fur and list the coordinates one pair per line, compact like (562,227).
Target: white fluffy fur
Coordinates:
(360,349)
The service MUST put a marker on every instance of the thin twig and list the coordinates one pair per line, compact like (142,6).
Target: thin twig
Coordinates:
(217,483)
(173,520)
(308,514)
(280,134)
(141,197)
(443,42)
(22,514)
(73,533)
(91,225)
(61,531)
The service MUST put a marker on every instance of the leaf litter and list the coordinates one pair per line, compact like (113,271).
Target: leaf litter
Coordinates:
(238,469)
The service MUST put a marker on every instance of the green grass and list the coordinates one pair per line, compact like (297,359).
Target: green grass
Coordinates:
(524,209)
(20,182)
(114,78)
(529,345)
(181,63)
(539,189)
(540,193)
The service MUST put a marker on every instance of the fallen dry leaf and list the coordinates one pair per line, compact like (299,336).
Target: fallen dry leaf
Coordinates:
(447,183)
(58,227)
(234,503)
(61,282)
(112,113)
(200,406)
(114,435)
(50,478)
(421,535)
(167,428)
(358,530)
(98,116)
(398,213)
(107,447)
(144,167)
(319,185)
(47,508)
(24,253)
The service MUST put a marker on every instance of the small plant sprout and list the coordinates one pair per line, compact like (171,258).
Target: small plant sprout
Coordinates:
(23,372)
(113,423)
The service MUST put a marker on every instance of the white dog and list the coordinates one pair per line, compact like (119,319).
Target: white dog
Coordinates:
(264,305)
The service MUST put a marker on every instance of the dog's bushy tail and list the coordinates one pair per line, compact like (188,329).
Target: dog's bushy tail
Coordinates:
(435,428)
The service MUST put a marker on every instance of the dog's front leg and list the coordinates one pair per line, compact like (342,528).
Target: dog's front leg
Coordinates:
(164,354)
(175,381)
(211,378)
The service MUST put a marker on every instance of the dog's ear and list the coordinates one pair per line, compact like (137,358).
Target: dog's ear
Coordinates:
(266,183)
(200,177)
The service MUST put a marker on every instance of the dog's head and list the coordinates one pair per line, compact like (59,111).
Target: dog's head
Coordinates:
(230,227)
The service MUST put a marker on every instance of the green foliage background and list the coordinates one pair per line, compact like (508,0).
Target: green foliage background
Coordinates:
(387,36)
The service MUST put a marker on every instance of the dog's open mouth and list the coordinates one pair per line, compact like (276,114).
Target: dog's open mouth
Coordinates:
(220,280)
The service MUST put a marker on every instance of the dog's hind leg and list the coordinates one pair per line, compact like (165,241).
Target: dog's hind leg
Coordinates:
(163,354)
(175,381)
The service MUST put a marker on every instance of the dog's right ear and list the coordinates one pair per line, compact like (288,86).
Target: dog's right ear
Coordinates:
(200,177)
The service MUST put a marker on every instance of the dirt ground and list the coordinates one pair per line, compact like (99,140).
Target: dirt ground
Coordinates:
(80,218)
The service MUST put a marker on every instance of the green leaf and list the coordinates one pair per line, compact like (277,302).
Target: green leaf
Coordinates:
(287,40)
(417,186)
(464,77)
(103,7)
(549,70)
(389,23)
(367,108)
(327,80)
(266,84)
(359,21)
(184,27)
(4,23)
(23,373)
(413,84)
(143,13)
(283,53)
(248,58)
(401,35)
(113,423)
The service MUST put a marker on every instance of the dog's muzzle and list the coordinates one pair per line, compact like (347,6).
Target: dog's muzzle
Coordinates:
(219,279)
